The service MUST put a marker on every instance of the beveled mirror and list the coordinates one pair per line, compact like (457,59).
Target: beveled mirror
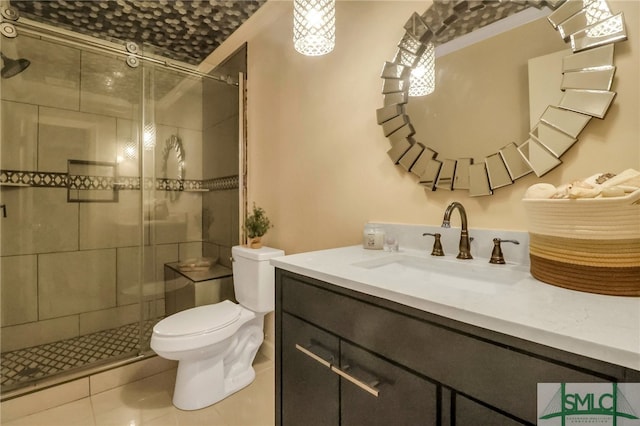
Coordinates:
(579,36)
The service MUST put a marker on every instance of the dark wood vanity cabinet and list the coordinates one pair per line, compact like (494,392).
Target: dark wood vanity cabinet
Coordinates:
(328,381)
(347,358)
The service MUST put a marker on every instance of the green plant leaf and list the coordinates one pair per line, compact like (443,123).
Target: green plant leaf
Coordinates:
(257,224)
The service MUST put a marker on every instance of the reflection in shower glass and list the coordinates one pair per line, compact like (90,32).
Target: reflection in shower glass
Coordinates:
(12,67)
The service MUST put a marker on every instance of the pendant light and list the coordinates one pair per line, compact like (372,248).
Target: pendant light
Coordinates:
(314,26)
(422,80)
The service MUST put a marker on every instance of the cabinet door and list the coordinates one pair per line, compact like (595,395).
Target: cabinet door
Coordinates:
(403,398)
(468,412)
(310,390)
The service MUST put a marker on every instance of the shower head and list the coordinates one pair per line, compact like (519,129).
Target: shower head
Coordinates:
(12,67)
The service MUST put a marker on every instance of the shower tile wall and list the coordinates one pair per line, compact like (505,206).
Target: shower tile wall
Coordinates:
(69,269)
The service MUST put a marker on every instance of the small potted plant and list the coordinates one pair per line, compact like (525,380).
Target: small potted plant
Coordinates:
(256,225)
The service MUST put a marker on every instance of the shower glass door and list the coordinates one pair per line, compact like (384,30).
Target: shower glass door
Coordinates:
(171,154)
(71,231)
(112,166)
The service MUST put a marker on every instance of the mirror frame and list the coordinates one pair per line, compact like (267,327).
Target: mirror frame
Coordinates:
(555,132)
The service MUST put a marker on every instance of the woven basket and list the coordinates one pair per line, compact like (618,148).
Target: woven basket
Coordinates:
(590,245)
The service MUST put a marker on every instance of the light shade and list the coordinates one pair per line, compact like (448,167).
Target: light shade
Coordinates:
(149,137)
(422,80)
(314,26)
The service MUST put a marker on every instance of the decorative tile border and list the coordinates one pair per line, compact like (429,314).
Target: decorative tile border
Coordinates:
(222,184)
(46,179)
(81,182)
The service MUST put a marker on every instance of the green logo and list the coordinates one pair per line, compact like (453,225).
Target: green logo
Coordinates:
(587,402)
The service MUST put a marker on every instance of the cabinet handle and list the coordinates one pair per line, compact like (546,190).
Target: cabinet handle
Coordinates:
(310,354)
(342,373)
(362,385)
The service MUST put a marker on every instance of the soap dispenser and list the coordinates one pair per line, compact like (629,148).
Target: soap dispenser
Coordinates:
(373,237)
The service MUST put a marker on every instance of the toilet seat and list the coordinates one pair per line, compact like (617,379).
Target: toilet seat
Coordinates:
(200,320)
(198,328)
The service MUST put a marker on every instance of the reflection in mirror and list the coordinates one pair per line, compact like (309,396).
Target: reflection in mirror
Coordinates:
(461,180)
(574,24)
(403,132)
(398,149)
(394,124)
(590,59)
(422,79)
(540,160)
(556,141)
(445,178)
(391,70)
(600,33)
(590,102)
(430,175)
(589,26)
(497,172)
(567,121)
(399,98)
(410,157)
(393,85)
(588,79)
(565,12)
(423,162)
(478,180)
(593,11)
(515,163)
(388,112)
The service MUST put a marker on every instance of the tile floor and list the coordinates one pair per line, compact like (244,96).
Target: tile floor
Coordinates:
(147,402)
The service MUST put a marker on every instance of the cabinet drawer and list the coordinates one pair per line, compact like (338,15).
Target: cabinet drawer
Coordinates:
(494,373)
(403,398)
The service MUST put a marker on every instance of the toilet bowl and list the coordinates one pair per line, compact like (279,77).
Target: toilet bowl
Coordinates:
(215,345)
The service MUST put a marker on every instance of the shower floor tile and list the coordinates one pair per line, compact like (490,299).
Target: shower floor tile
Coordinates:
(31,364)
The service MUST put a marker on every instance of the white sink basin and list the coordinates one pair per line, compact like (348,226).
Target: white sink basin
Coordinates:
(475,275)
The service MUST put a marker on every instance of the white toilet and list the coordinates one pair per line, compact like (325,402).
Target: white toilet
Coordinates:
(215,344)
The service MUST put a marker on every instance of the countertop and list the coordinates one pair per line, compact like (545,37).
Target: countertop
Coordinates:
(597,326)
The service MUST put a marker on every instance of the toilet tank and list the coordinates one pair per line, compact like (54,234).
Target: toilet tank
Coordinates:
(254,277)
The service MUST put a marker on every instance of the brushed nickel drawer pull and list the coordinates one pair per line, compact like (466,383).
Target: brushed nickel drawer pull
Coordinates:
(310,354)
(362,385)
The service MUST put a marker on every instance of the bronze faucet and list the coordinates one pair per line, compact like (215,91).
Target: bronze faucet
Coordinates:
(464,247)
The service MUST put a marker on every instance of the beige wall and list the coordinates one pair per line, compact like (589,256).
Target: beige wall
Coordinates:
(317,158)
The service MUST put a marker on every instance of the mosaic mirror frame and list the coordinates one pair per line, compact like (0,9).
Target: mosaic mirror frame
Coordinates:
(587,75)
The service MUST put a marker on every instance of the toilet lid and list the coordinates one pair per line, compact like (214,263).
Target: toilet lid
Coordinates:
(199,320)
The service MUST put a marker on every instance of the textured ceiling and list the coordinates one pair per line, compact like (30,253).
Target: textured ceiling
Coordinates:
(182,30)
(451,19)
(189,30)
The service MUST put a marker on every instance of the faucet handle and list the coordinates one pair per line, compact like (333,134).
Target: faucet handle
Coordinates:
(437,245)
(496,254)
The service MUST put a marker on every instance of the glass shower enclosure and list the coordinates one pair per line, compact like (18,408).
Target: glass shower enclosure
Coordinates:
(111,166)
